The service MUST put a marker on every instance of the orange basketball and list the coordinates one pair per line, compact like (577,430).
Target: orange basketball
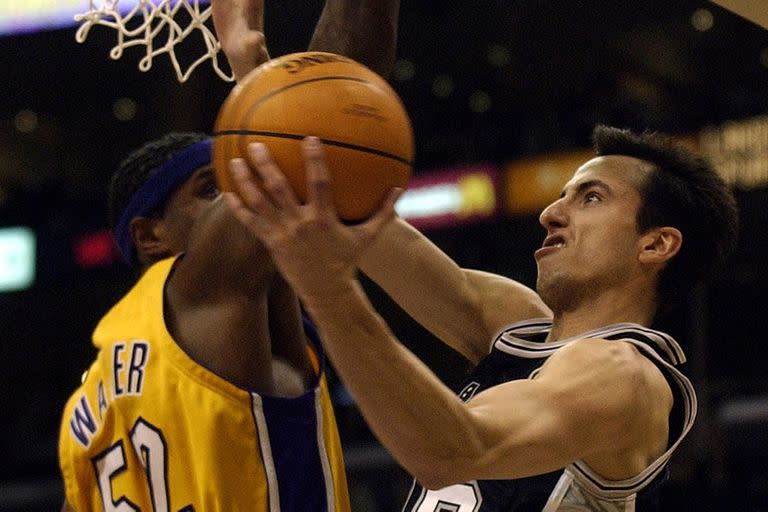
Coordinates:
(365,129)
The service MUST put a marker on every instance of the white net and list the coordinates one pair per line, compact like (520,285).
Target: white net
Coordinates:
(157,25)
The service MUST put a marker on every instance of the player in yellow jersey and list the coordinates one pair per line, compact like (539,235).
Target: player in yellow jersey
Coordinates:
(208,390)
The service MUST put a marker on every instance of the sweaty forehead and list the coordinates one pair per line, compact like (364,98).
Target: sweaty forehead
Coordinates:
(615,170)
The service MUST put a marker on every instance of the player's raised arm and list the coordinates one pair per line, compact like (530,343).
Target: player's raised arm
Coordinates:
(240,27)
(462,307)
(363,30)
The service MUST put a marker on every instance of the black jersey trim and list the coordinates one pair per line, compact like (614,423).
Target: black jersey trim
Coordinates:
(514,340)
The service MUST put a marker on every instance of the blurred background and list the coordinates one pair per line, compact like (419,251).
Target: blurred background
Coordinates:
(503,96)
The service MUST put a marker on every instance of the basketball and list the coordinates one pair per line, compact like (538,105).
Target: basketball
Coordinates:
(366,132)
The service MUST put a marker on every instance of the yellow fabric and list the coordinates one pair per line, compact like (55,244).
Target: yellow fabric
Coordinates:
(157,402)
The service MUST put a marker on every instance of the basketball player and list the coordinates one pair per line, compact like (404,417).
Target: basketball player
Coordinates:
(208,391)
(574,403)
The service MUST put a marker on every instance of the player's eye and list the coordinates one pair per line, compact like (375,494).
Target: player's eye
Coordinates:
(592,197)
(209,190)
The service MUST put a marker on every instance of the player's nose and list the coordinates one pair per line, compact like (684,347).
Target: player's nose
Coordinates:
(554,215)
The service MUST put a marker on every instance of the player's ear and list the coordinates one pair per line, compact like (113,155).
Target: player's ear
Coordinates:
(147,237)
(659,245)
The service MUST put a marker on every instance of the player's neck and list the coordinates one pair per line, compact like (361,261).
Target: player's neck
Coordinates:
(612,307)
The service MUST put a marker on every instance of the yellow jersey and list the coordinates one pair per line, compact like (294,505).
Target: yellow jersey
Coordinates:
(149,429)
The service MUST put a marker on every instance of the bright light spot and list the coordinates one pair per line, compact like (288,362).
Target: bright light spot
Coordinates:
(498,56)
(25,121)
(702,20)
(17,258)
(443,86)
(403,70)
(124,109)
(480,101)
(479,194)
(429,201)
(95,249)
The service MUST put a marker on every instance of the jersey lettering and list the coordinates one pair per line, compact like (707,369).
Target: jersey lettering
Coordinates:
(102,399)
(152,451)
(82,425)
(149,443)
(128,365)
(139,356)
(469,391)
(108,465)
(117,366)
(464,497)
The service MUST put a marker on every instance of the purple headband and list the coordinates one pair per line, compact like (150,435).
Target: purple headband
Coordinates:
(156,189)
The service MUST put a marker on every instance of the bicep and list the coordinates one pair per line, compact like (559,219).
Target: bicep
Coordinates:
(502,301)
(463,308)
(491,302)
(522,432)
(585,400)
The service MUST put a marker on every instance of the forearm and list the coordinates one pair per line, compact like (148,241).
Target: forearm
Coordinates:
(429,286)
(364,30)
(462,307)
(211,271)
(419,420)
(285,324)
(513,430)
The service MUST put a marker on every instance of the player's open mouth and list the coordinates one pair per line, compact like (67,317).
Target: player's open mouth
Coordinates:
(550,244)
(553,241)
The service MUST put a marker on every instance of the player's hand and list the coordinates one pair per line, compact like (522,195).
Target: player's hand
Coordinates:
(239,26)
(314,251)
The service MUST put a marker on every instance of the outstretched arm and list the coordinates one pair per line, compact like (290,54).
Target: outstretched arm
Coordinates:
(239,26)
(462,307)
(595,400)
(363,30)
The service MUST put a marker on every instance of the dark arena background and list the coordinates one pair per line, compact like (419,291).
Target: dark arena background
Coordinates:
(503,97)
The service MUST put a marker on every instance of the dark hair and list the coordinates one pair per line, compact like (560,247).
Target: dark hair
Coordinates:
(139,165)
(684,191)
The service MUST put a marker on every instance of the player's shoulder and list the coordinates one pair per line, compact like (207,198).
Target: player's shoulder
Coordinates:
(601,351)
(607,379)
(619,358)
(600,347)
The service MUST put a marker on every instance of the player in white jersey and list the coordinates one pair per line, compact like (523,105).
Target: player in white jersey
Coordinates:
(594,411)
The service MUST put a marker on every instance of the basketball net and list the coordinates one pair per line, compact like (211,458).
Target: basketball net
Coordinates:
(157,26)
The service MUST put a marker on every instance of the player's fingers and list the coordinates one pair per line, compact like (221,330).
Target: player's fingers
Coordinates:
(241,212)
(273,179)
(384,215)
(248,197)
(318,178)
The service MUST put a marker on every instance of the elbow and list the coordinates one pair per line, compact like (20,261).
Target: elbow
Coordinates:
(440,459)
(439,475)
(442,472)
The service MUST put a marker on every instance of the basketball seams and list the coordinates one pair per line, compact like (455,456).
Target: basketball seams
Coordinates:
(250,112)
(269,106)
(329,142)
